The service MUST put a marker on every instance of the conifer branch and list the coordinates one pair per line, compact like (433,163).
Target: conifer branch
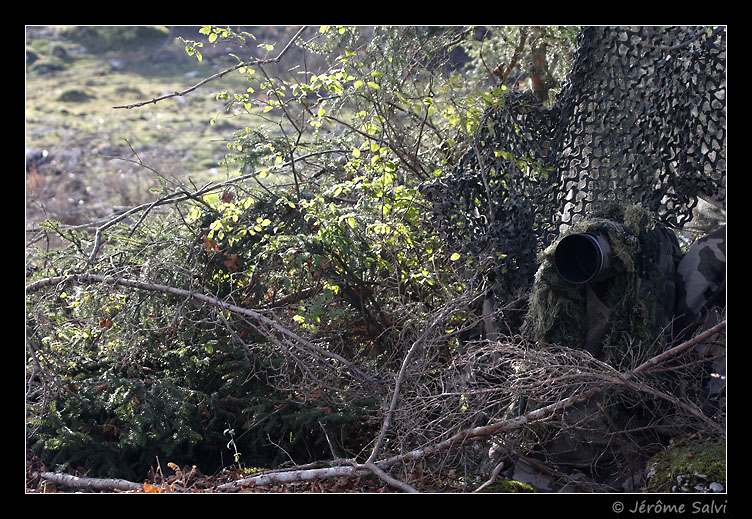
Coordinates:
(350,468)
(155,287)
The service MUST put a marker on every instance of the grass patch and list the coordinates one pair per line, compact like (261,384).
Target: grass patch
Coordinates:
(74,77)
(108,38)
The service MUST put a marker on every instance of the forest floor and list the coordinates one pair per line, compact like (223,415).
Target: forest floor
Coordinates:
(173,479)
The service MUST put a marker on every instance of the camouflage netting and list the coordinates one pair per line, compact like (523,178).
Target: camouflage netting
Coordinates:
(641,121)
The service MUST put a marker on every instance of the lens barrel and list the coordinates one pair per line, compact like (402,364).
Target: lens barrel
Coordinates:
(583,258)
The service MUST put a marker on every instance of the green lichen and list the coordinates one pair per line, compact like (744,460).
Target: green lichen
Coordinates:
(508,486)
(688,467)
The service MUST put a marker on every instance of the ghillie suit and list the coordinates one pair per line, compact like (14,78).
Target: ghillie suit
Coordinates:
(633,305)
(624,315)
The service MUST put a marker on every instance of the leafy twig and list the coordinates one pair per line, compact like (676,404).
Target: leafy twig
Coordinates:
(218,74)
(179,196)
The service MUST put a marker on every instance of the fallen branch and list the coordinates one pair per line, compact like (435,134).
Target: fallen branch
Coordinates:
(351,468)
(387,478)
(294,476)
(478,433)
(386,426)
(154,287)
(491,480)
(88,483)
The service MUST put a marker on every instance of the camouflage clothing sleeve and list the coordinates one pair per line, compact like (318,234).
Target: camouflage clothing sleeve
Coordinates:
(701,283)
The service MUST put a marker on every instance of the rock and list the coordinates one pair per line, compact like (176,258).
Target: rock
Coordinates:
(36,157)
(75,95)
(31,55)
(60,52)
(48,65)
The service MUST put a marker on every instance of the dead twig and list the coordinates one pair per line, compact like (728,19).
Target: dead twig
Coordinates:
(477,433)
(154,287)
(490,481)
(350,468)
(401,377)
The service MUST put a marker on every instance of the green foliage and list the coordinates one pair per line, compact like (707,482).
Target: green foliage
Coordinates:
(322,230)
(143,377)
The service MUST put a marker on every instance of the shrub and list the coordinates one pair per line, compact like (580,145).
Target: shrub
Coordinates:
(321,238)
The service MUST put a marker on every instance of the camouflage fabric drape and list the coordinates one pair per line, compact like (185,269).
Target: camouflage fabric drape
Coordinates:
(640,121)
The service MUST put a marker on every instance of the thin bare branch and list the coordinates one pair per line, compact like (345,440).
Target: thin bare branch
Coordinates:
(401,377)
(218,74)
(350,468)
(179,196)
(154,287)
(477,433)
